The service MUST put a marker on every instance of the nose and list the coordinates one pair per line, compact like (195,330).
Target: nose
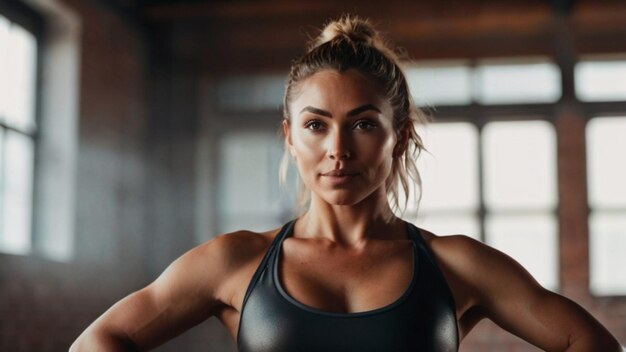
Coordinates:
(338,148)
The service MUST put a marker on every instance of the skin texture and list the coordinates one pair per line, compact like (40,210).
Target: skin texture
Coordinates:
(342,124)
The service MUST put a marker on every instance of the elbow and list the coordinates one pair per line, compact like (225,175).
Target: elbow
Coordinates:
(607,342)
(81,343)
(614,345)
(604,342)
(609,345)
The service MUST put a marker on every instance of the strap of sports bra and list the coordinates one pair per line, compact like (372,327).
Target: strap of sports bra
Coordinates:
(284,230)
(414,233)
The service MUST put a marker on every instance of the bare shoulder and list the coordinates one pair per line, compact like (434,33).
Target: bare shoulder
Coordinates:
(237,248)
(459,249)
(208,268)
(211,272)
(471,260)
(476,272)
(226,253)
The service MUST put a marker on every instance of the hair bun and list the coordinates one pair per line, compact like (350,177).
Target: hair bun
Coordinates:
(351,28)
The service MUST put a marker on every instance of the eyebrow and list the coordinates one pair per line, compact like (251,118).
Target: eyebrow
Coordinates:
(352,112)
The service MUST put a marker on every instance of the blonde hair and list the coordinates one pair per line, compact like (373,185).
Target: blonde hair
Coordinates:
(352,43)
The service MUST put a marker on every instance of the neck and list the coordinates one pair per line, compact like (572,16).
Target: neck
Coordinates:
(350,225)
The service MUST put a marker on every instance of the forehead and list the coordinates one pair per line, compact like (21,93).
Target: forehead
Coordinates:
(331,87)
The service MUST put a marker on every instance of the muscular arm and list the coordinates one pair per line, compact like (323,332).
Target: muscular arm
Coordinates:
(504,292)
(184,295)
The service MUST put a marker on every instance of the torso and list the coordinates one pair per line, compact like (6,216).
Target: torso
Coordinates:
(234,290)
(339,281)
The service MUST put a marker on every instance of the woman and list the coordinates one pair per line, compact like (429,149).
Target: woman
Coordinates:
(347,274)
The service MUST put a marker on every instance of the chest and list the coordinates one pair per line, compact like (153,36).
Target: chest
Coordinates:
(414,316)
(334,281)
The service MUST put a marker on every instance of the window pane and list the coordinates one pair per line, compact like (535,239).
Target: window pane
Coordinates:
(442,225)
(449,169)
(18,178)
(440,84)
(606,250)
(242,155)
(2,172)
(538,82)
(529,239)
(4,66)
(606,163)
(519,165)
(20,78)
(601,80)
(251,93)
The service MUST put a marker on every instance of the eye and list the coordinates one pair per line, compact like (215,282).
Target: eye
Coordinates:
(364,125)
(314,125)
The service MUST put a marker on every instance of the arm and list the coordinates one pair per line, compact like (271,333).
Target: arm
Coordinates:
(183,296)
(509,296)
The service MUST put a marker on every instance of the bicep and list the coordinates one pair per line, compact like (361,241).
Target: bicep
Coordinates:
(183,296)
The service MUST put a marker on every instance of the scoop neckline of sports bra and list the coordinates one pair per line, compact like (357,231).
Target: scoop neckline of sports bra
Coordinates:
(283,293)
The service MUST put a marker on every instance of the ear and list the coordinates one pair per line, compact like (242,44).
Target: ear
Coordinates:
(287,133)
(403,140)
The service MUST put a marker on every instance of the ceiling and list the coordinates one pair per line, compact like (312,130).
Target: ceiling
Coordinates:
(226,34)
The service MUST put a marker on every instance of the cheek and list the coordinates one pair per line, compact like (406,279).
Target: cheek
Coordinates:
(379,155)
(379,148)
(306,149)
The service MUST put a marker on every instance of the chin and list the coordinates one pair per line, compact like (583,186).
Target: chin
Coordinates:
(344,198)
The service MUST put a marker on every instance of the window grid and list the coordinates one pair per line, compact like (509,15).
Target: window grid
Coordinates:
(607,202)
(18,132)
(478,218)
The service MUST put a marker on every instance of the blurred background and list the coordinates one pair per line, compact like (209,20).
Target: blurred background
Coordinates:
(133,130)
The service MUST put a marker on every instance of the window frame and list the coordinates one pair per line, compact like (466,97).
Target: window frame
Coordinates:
(18,13)
(595,210)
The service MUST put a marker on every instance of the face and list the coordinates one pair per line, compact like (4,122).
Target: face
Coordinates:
(341,136)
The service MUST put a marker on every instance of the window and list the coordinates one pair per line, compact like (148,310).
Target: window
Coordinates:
(606,169)
(435,83)
(17,135)
(450,185)
(251,93)
(254,203)
(520,195)
(601,80)
(494,181)
(517,162)
(502,81)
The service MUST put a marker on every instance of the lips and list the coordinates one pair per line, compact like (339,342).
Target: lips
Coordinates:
(340,173)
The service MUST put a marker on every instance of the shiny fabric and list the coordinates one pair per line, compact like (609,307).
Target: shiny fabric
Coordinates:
(422,319)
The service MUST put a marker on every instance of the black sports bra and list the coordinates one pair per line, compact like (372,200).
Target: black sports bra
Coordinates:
(422,319)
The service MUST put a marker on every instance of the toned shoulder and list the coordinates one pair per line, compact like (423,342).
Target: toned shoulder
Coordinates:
(233,250)
(220,257)
(475,263)
(463,255)
(461,247)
